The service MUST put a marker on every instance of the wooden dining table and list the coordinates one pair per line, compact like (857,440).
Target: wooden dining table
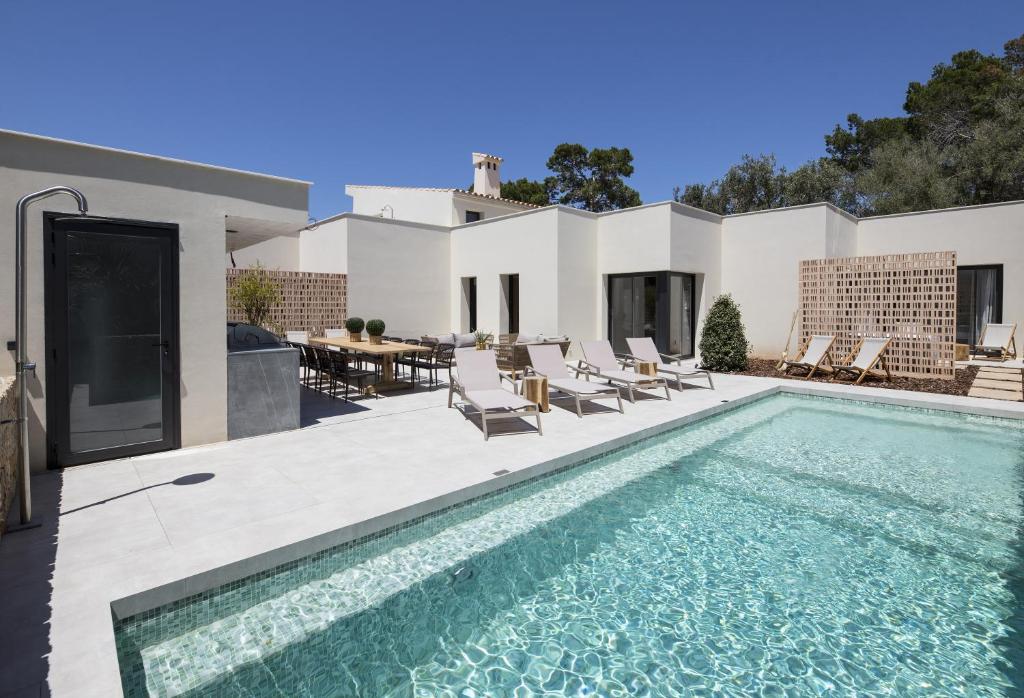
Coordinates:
(385,352)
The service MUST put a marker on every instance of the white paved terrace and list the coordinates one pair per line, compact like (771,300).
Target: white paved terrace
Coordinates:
(132,534)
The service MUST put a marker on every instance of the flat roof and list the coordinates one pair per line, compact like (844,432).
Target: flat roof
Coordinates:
(148,156)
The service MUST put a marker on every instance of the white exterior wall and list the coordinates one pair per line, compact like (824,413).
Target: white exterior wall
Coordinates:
(760,268)
(578,280)
(126,185)
(488,208)
(280,253)
(325,248)
(407,204)
(992,234)
(527,245)
(399,273)
(696,248)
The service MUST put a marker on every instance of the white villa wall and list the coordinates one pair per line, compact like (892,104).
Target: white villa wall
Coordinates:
(525,244)
(430,206)
(489,208)
(280,253)
(696,248)
(324,249)
(579,284)
(760,267)
(399,272)
(990,234)
(634,240)
(840,233)
(128,185)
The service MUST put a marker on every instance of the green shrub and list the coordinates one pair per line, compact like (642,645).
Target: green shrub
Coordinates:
(723,342)
(375,328)
(255,294)
(354,325)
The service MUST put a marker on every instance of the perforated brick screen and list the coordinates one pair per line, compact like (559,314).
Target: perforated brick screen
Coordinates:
(909,297)
(311,301)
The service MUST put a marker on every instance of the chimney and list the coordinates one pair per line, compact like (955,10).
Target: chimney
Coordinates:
(487,174)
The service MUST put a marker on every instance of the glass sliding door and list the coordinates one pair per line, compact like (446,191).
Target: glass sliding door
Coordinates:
(658,305)
(112,340)
(979,300)
(632,308)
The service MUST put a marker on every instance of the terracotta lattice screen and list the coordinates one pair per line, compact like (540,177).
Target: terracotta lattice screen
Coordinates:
(909,297)
(310,301)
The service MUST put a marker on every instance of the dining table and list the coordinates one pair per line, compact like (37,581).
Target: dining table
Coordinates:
(386,353)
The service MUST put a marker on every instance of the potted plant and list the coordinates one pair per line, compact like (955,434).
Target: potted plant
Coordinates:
(482,338)
(355,325)
(374,329)
(255,295)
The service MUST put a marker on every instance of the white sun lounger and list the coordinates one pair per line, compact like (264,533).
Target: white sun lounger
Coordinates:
(869,353)
(644,349)
(476,378)
(997,342)
(816,355)
(599,361)
(547,361)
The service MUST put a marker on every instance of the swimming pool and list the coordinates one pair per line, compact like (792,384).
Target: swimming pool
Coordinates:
(795,544)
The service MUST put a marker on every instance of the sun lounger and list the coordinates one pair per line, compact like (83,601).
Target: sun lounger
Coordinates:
(815,355)
(997,342)
(599,361)
(644,349)
(475,377)
(547,360)
(865,357)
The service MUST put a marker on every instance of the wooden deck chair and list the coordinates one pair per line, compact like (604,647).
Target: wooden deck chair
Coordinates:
(477,380)
(997,342)
(868,354)
(813,356)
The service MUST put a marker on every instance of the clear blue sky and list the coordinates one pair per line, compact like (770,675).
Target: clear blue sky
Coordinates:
(389,93)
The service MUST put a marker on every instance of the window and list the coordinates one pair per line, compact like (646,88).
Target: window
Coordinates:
(473,216)
(979,300)
(510,306)
(469,304)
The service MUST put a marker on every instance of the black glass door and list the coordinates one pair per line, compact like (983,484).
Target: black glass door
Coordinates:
(112,339)
(658,305)
(979,300)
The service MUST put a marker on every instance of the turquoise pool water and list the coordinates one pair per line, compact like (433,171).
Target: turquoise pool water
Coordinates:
(793,546)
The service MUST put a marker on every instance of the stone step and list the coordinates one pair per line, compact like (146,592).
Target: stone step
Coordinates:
(998,375)
(1010,395)
(996,384)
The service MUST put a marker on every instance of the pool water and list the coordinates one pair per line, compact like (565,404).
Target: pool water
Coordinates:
(793,546)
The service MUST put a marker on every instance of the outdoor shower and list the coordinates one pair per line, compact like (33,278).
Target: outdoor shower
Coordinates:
(21,340)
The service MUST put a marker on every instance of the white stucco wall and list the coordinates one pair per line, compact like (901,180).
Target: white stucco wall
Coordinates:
(127,185)
(407,204)
(579,283)
(488,208)
(398,272)
(760,268)
(280,253)
(525,244)
(696,248)
(992,234)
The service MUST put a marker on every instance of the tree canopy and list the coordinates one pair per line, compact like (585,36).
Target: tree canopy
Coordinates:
(961,142)
(589,179)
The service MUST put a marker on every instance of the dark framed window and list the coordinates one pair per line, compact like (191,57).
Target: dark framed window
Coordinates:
(979,300)
(474,216)
(512,301)
(659,305)
(469,298)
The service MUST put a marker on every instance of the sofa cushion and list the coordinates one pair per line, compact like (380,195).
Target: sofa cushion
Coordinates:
(441,338)
(528,339)
(464,340)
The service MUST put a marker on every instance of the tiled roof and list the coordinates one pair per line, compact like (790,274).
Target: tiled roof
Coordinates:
(465,192)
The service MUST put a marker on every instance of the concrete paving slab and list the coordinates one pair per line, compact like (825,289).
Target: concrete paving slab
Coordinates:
(354,470)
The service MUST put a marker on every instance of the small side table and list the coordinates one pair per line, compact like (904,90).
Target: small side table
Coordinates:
(646,368)
(535,389)
(962,352)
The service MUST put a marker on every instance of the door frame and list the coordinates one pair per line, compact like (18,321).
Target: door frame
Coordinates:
(662,306)
(56,390)
(997,310)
